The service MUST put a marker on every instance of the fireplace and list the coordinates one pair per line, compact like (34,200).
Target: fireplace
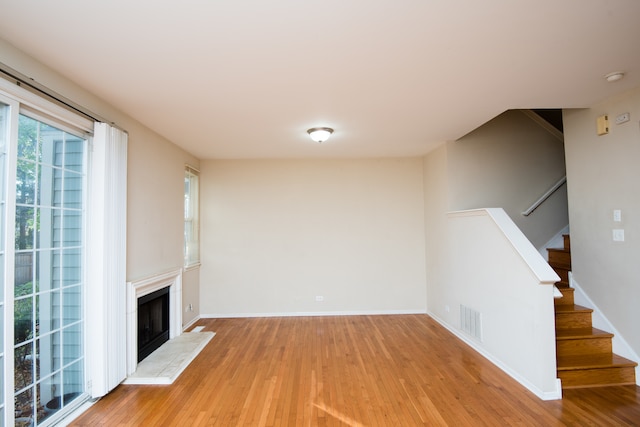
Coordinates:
(153,322)
(169,282)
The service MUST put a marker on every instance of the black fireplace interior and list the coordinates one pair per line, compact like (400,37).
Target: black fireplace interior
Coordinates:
(153,322)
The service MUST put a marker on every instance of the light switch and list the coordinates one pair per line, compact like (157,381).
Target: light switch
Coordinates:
(617,215)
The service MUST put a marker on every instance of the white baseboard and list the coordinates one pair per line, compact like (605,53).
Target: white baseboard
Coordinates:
(190,324)
(310,314)
(620,346)
(543,395)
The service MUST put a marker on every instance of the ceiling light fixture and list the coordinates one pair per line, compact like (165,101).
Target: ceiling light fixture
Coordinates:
(614,77)
(320,134)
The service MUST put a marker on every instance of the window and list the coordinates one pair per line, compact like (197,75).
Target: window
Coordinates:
(48,276)
(43,191)
(191,218)
(57,303)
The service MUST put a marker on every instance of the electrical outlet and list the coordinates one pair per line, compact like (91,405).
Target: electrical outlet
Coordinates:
(319,298)
(618,235)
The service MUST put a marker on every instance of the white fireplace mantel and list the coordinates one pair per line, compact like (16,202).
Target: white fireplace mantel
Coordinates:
(142,287)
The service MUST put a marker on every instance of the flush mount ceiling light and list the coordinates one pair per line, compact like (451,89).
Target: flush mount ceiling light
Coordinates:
(320,134)
(614,77)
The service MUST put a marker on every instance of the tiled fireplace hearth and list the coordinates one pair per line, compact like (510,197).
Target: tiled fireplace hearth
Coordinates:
(142,287)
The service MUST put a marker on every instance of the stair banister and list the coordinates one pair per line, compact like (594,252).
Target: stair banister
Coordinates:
(545,196)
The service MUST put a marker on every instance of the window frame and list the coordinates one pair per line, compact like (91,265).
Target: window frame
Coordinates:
(191,218)
(24,102)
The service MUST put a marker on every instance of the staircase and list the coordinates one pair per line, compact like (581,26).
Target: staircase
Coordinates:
(584,355)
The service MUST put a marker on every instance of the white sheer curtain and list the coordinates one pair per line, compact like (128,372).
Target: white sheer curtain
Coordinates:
(106,260)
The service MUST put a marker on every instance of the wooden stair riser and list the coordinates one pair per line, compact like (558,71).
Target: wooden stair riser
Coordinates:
(560,257)
(567,297)
(583,346)
(566,241)
(578,319)
(597,377)
(563,273)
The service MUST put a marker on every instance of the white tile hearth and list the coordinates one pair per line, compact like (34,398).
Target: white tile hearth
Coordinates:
(165,364)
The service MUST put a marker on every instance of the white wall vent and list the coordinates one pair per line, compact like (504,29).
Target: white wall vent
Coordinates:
(471,322)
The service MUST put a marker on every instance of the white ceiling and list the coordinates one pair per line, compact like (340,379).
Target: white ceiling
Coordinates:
(247,78)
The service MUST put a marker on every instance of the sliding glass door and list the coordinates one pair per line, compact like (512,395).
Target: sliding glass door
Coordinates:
(43,164)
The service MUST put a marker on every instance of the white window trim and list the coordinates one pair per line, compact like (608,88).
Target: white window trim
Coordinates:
(45,108)
(9,259)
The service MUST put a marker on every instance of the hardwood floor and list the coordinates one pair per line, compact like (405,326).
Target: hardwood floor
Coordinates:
(403,370)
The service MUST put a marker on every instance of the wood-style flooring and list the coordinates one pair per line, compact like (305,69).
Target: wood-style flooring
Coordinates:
(396,370)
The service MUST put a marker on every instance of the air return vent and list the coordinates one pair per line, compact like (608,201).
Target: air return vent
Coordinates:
(471,322)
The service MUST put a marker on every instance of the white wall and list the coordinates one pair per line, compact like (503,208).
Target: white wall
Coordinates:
(155,204)
(278,233)
(155,189)
(491,268)
(603,175)
(509,162)
(436,190)
(470,262)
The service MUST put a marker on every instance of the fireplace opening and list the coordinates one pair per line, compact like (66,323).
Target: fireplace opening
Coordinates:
(153,322)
